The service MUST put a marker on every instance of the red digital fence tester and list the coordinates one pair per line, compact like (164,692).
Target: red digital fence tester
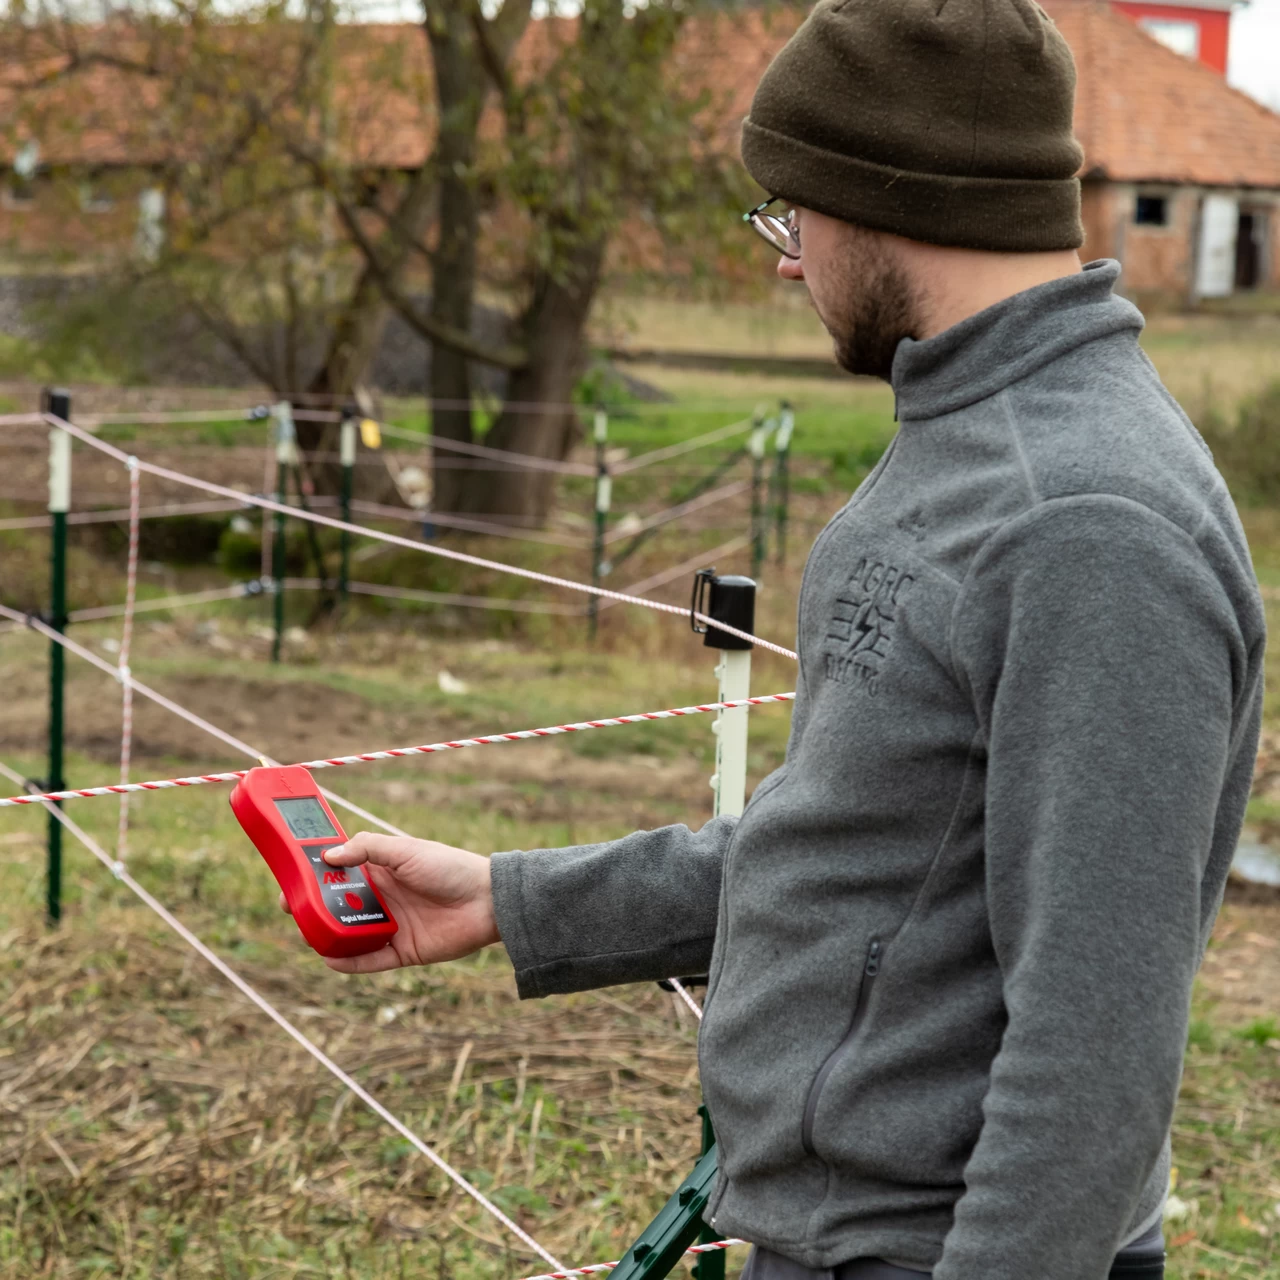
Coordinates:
(286,817)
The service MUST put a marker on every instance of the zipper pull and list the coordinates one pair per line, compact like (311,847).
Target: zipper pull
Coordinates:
(873,958)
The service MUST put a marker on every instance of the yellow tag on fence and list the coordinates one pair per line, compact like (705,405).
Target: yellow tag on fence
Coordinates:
(370,436)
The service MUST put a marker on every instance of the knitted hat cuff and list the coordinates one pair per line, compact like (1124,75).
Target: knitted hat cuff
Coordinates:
(1009,215)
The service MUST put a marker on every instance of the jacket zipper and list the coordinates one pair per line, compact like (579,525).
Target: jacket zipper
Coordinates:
(869,971)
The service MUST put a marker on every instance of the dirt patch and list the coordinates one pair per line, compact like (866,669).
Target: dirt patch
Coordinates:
(302,719)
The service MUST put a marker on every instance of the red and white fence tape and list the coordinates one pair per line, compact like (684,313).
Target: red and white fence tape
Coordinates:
(596,1267)
(395,753)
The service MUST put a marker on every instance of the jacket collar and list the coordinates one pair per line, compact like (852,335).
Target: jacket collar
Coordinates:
(989,351)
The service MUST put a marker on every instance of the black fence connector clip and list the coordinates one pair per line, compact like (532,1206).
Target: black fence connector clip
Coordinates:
(702,581)
(729,598)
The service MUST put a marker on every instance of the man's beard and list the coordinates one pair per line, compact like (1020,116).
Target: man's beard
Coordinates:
(871,306)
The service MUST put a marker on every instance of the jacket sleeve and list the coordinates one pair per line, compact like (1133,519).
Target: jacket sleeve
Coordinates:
(1108,670)
(643,907)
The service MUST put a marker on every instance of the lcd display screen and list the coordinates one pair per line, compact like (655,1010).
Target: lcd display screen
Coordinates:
(306,818)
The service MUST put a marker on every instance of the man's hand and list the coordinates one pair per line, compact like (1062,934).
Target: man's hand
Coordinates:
(440,897)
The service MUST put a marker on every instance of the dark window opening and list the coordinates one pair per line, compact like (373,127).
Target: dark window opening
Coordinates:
(19,192)
(1151,211)
(95,197)
(1250,238)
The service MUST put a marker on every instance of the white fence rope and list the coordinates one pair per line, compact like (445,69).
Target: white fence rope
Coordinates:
(443,597)
(683,992)
(468,524)
(679,570)
(685,446)
(668,514)
(240,590)
(512,461)
(122,513)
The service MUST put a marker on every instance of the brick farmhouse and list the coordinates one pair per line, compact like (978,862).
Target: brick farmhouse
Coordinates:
(1181,174)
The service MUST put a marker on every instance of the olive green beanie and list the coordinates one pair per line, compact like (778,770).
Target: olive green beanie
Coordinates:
(947,121)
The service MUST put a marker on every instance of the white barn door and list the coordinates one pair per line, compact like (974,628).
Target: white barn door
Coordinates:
(1216,259)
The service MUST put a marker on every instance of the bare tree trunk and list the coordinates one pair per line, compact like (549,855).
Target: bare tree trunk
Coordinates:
(461,87)
(554,326)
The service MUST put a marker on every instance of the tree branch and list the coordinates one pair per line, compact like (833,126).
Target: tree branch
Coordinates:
(228,334)
(504,357)
(501,357)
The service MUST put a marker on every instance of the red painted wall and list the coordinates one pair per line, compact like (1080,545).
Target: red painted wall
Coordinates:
(1215,26)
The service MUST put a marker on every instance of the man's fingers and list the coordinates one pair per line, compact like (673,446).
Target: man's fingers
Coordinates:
(369,846)
(370,962)
(284,905)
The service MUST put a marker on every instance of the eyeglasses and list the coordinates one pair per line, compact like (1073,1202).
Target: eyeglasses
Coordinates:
(783,233)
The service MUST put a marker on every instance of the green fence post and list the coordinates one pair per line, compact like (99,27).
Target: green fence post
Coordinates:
(759,434)
(286,457)
(57,403)
(604,496)
(709,1266)
(782,476)
(662,1243)
(347,456)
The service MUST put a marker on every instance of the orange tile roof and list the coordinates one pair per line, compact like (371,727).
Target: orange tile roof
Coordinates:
(1147,114)
(1143,113)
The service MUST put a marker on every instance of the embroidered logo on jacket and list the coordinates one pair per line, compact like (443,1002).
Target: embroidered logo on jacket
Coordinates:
(860,634)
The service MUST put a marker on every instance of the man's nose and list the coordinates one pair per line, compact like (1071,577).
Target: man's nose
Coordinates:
(790,268)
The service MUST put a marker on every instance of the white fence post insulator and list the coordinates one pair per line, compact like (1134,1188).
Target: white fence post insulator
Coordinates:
(604,498)
(729,598)
(59,468)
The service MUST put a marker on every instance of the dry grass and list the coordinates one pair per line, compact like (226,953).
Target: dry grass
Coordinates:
(150,1125)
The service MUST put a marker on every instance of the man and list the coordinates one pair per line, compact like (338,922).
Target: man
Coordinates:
(952,939)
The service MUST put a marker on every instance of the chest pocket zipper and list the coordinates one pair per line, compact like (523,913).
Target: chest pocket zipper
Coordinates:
(869,971)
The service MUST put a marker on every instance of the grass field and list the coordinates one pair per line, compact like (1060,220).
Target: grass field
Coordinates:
(1205,359)
(153,1124)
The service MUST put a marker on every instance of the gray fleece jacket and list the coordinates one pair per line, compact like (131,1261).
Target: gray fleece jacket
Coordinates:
(952,939)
